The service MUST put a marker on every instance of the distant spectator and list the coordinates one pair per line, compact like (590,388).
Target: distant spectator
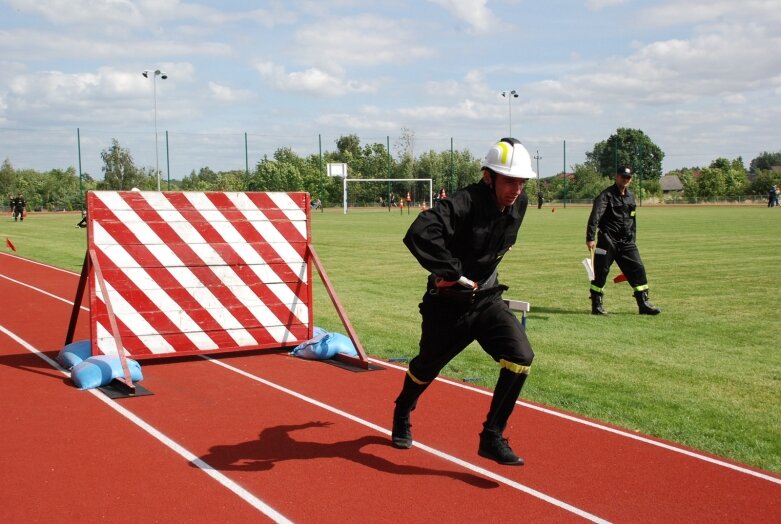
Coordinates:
(772,196)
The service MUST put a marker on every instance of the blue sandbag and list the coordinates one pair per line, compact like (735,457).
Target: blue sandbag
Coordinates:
(342,344)
(74,353)
(100,370)
(325,345)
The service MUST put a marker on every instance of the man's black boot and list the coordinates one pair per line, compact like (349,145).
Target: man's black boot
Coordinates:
(596,303)
(645,307)
(495,447)
(401,434)
(492,444)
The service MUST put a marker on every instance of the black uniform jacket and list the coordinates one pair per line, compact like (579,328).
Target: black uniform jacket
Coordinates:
(465,235)
(614,214)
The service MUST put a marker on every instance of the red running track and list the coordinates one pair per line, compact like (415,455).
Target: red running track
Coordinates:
(269,437)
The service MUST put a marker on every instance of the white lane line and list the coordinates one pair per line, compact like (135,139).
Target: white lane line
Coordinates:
(180,450)
(39,290)
(455,460)
(608,429)
(547,411)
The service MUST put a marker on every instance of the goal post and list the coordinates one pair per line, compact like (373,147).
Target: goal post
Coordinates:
(429,180)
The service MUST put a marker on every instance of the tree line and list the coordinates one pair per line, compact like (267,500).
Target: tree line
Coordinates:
(285,170)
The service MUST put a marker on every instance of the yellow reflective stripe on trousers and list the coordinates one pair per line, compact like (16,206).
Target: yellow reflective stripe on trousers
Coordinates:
(415,379)
(597,289)
(641,288)
(515,368)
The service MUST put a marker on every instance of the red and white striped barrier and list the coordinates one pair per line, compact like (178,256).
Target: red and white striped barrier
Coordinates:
(189,273)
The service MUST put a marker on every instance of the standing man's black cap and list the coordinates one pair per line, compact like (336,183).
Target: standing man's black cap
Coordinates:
(624,170)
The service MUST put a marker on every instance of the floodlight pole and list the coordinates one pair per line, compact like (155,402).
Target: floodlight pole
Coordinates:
(509,95)
(163,76)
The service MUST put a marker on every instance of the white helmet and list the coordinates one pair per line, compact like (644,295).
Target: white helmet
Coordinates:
(508,157)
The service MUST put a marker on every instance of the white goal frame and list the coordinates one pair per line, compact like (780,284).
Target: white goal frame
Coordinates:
(429,180)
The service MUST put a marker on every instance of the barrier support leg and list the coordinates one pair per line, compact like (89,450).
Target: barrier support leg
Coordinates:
(77,300)
(361,360)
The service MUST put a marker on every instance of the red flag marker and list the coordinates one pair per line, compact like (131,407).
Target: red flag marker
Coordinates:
(619,278)
(9,243)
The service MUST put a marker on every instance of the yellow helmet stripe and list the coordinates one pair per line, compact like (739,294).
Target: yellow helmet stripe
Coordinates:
(505,147)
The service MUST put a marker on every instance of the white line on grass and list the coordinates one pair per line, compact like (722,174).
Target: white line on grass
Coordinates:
(464,464)
(189,456)
(602,427)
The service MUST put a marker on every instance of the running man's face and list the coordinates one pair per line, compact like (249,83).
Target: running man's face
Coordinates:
(507,190)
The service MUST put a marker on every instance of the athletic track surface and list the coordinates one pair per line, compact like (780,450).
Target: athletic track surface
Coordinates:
(263,437)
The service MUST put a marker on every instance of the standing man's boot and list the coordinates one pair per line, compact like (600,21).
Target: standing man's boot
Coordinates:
(596,303)
(401,434)
(646,308)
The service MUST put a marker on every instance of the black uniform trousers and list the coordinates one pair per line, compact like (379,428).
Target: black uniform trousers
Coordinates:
(626,255)
(449,326)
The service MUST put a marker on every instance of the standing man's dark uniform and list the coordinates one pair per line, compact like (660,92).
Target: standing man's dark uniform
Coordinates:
(461,241)
(18,204)
(613,223)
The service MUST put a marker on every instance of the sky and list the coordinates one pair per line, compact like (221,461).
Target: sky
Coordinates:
(702,78)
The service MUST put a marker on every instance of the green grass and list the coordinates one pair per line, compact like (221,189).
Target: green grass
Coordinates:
(705,373)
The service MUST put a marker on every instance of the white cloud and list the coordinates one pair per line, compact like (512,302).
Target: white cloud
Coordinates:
(474,13)
(228,94)
(597,5)
(359,41)
(312,81)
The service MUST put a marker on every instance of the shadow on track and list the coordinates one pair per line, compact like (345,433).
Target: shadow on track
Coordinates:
(275,445)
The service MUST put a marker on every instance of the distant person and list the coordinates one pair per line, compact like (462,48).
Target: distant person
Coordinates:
(772,196)
(83,221)
(539,199)
(613,223)
(19,207)
(777,194)
(460,242)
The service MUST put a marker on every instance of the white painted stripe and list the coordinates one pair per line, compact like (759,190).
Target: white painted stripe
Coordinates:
(450,458)
(254,260)
(224,272)
(170,443)
(295,214)
(186,278)
(157,295)
(134,322)
(602,427)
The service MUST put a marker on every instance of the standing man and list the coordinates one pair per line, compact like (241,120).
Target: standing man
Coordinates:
(461,241)
(18,204)
(613,214)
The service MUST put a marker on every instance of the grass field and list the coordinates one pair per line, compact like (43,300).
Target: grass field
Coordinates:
(705,373)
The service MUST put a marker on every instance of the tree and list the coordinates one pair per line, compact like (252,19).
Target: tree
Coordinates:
(587,182)
(120,173)
(765,161)
(628,147)
(7,176)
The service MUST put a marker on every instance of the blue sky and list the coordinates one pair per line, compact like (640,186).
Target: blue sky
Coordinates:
(702,78)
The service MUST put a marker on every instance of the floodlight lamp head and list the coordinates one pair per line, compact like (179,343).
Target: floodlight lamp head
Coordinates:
(145,73)
(163,76)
